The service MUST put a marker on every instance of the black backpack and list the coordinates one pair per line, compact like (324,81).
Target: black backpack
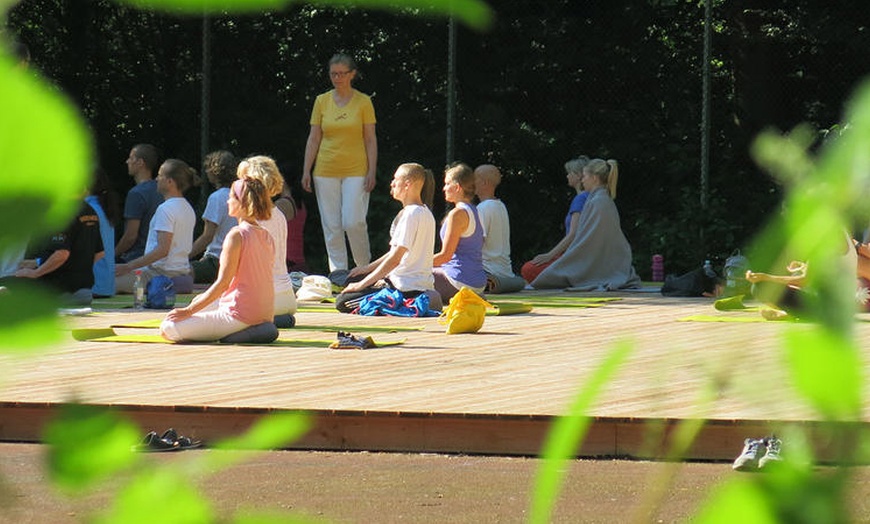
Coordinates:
(692,284)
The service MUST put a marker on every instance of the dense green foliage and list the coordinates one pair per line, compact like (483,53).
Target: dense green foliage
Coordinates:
(788,66)
(547,82)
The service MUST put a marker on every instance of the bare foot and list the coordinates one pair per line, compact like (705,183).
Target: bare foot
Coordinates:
(770,313)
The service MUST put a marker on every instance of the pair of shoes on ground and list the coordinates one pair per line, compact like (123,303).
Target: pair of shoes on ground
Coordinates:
(169,441)
(758,453)
(349,341)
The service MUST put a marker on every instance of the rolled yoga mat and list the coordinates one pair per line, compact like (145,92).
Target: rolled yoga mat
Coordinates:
(496,284)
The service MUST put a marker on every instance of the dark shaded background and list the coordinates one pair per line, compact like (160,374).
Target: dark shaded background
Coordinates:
(550,80)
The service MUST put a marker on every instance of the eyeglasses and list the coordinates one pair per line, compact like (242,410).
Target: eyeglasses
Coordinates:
(339,74)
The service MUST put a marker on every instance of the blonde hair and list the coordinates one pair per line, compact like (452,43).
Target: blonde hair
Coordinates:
(605,171)
(264,169)
(414,173)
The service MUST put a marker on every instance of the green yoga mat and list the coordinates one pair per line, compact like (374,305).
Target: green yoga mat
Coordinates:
(502,309)
(508,308)
(553,299)
(109,335)
(732,318)
(734,303)
(325,308)
(155,323)
(126,301)
(555,302)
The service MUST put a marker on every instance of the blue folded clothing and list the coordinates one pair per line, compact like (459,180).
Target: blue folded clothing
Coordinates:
(392,302)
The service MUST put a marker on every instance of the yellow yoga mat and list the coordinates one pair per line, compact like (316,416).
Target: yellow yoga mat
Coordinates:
(508,308)
(109,335)
(730,318)
(734,303)
(155,323)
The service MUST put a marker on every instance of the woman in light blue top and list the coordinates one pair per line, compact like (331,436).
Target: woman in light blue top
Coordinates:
(220,168)
(599,256)
(574,174)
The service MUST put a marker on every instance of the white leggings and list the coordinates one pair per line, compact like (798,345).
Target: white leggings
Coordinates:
(206,325)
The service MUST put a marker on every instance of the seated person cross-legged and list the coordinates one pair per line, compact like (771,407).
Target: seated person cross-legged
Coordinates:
(599,256)
(788,296)
(69,258)
(460,261)
(220,169)
(265,170)
(407,266)
(494,218)
(170,233)
(783,294)
(574,170)
(241,299)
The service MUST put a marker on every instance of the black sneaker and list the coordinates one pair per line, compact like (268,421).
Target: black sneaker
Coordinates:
(153,442)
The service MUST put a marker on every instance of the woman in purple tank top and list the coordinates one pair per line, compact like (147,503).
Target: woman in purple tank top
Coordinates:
(460,261)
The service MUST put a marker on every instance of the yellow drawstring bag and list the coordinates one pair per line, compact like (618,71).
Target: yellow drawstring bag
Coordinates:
(465,313)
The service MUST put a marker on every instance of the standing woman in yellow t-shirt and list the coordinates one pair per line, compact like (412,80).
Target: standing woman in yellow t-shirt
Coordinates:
(343,150)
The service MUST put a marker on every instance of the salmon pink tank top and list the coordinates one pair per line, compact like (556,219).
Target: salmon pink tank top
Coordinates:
(251,295)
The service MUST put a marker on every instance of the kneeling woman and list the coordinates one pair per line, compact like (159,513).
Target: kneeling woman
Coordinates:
(243,289)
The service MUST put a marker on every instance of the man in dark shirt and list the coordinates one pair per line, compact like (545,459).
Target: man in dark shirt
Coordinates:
(142,201)
(68,258)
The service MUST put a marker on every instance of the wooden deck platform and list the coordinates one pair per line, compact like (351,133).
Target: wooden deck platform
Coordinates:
(491,392)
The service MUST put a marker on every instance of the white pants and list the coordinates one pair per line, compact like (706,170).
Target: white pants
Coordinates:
(285,302)
(343,205)
(206,325)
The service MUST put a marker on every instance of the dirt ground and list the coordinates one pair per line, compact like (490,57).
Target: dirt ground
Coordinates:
(392,487)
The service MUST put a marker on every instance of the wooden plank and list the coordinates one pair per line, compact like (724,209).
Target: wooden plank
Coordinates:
(528,365)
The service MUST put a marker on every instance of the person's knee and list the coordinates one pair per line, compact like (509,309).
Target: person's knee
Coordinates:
(183,283)
(341,303)
(169,331)
(205,270)
(435,302)
(530,271)
(444,288)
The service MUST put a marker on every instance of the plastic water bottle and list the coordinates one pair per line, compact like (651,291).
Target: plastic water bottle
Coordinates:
(708,269)
(139,291)
(658,268)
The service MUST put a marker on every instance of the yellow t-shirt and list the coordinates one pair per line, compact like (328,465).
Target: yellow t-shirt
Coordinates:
(342,150)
